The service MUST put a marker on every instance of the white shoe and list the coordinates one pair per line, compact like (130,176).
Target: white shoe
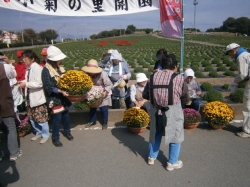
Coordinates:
(243,135)
(151,161)
(12,159)
(36,137)
(171,167)
(44,140)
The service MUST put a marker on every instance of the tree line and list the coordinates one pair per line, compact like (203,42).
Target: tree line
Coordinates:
(234,25)
(131,29)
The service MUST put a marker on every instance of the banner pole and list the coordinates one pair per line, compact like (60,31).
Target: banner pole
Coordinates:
(182,38)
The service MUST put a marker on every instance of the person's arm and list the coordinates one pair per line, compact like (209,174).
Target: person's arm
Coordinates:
(107,83)
(185,98)
(10,71)
(127,74)
(133,93)
(198,89)
(243,68)
(145,93)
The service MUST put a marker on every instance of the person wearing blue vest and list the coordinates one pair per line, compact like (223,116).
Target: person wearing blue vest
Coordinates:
(242,58)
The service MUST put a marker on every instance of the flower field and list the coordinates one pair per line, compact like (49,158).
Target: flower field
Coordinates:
(207,60)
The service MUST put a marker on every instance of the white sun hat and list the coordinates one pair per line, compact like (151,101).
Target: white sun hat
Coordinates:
(141,77)
(231,46)
(189,72)
(55,54)
(115,55)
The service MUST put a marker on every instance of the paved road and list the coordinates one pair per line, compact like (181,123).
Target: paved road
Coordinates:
(118,158)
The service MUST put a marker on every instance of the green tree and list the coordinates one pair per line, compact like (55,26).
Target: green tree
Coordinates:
(131,28)
(147,31)
(30,34)
(48,35)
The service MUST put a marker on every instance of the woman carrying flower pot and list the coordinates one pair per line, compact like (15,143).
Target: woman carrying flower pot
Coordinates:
(55,97)
(35,98)
(194,90)
(99,78)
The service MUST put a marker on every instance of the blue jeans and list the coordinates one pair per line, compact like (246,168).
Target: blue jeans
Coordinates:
(194,105)
(41,128)
(57,119)
(104,110)
(174,148)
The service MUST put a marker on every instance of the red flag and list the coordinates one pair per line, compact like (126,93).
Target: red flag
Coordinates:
(171,16)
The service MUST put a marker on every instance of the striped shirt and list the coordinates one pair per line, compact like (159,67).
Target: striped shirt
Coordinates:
(161,94)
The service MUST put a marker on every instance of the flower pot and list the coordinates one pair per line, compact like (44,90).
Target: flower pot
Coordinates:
(191,126)
(96,104)
(21,134)
(216,127)
(137,130)
(75,98)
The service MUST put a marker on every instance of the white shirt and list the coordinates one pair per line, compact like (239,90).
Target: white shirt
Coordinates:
(10,73)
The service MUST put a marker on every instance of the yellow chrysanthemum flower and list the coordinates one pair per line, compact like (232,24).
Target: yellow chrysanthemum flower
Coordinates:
(75,82)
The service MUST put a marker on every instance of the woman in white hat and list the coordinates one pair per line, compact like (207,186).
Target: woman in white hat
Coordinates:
(55,97)
(137,89)
(118,70)
(194,90)
(99,78)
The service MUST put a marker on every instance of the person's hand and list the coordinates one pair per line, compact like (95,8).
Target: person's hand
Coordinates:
(198,93)
(21,84)
(125,77)
(105,93)
(233,86)
(65,93)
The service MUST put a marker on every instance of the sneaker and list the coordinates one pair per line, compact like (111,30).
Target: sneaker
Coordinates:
(15,158)
(36,137)
(44,140)
(151,161)
(57,143)
(171,167)
(1,155)
(104,126)
(243,135)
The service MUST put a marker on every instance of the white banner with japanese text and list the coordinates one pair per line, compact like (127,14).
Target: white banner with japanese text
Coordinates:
(80,7)
(171,18)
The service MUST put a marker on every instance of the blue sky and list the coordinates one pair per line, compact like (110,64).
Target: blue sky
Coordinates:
(209,14)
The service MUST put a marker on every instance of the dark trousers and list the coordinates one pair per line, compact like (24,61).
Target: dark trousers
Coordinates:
(57,119)
(104,110)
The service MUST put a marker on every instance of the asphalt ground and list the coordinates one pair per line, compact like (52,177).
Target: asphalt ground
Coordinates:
(116,157)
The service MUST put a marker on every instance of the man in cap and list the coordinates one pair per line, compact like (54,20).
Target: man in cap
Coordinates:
(242,58)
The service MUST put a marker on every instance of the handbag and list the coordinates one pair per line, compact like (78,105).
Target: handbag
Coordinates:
(58,109)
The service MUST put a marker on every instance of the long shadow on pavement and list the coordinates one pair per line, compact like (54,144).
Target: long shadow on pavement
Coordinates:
(8,171)
(136,144)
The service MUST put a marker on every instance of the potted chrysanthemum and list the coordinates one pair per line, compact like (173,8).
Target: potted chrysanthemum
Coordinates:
(136,119)
(192,118)
(218,114)
(94,96)
(76,83)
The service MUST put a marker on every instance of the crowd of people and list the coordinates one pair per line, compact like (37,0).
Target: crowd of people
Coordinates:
(163,95)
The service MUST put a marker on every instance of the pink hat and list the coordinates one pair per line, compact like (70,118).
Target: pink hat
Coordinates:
(44,52)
